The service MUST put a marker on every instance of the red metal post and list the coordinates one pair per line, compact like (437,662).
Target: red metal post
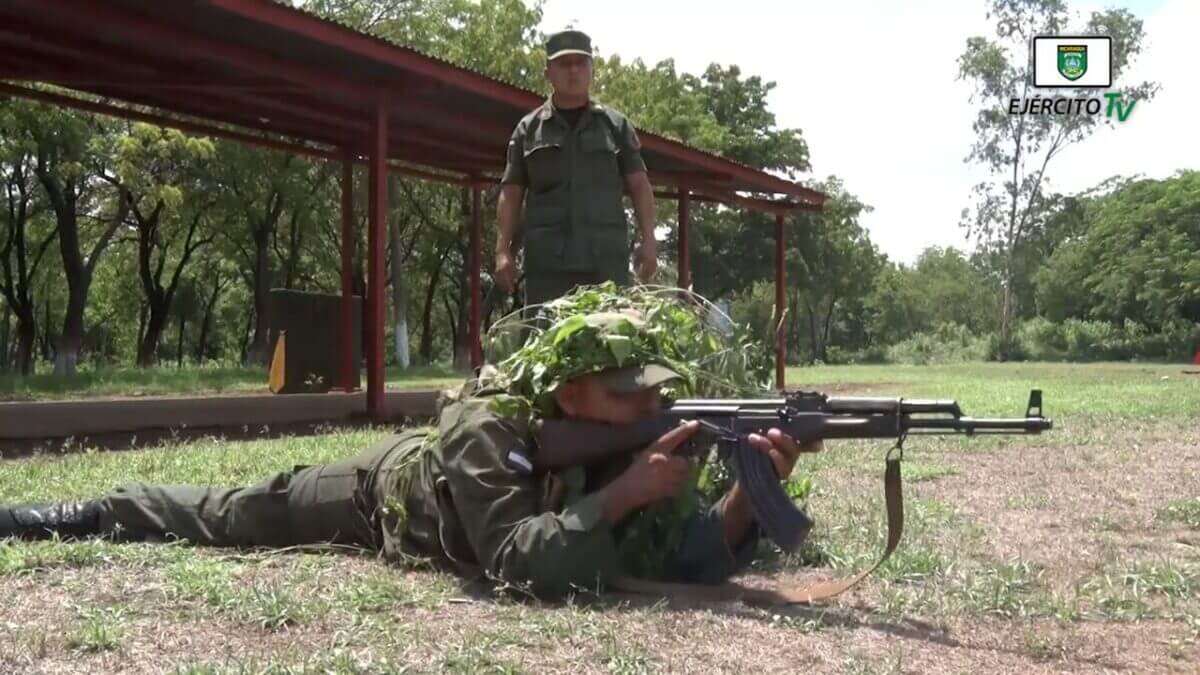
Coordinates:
(476,296)
(376,238)
(685,262)
(347,318)
(780,332)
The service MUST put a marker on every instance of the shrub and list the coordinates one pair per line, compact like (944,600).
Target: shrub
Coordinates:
(1040,339)
(948,342)
(873,354)
(1079,340)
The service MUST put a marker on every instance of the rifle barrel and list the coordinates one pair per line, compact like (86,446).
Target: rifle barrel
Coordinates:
(980,425)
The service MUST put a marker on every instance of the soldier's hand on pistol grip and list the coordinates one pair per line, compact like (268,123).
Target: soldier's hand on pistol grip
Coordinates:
(657,473)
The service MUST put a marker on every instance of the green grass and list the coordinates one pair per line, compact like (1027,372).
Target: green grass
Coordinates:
(1093,390)
(213,583)
(327,662)
(99,630)
(916,471)
(1043,646)
(1143,590)
(189,380)
(205,579)
(334,613)
(1127,390)
(384,591)
(1008,589)
(849,537)
(205,461)
(33,556)
(1186,511)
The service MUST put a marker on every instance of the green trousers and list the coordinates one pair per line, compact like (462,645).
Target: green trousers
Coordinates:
(545,286)
(330,503)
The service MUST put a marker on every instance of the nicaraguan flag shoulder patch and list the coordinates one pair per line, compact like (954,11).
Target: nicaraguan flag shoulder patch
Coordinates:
(517,458)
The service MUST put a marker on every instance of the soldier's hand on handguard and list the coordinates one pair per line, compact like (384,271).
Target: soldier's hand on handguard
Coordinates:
(506,271)
(783,450)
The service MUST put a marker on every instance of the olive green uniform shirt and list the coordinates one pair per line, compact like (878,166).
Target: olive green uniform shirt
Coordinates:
(574,221)
(476,504)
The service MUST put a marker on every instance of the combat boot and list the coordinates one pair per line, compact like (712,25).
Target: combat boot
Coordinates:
(69,520)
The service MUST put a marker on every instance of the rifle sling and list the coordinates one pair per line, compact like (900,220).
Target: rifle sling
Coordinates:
(785,595)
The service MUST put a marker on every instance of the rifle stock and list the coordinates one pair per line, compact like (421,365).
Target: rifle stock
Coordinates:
(805,416)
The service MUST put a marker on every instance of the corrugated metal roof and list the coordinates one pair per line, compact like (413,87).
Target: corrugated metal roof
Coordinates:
(266,65)
(433,57)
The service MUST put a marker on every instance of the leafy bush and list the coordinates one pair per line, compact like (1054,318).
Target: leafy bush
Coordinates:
(1041,339)
(1079,340)
(873,354)
(948,342)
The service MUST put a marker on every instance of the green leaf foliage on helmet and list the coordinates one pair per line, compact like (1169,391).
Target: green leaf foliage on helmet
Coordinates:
(598,328)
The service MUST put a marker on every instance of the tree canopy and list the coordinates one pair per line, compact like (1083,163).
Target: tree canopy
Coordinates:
(124,243)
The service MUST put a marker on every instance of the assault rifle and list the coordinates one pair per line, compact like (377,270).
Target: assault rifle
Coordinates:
(804,416)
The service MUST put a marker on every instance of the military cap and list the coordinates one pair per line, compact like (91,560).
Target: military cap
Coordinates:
(568,42)
(636,378)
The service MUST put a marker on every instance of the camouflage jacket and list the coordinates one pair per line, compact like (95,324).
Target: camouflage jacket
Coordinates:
(474,503)
(574,219)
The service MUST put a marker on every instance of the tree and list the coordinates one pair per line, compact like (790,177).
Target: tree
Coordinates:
(498,38)
(214,279)
(660,99)
(833,263)
(724,112)
(159,179)
(23,244)
(895,308)
(434,227)
(953,290)
(1017,149)
(62,142)
(1139,258)
(258,187)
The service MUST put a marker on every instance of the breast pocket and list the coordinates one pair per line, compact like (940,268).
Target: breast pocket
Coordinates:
(546,161)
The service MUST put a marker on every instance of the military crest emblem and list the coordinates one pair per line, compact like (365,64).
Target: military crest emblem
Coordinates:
(1072,61)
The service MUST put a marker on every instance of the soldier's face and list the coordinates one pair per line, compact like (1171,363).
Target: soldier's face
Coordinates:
(570,75)
(587,399)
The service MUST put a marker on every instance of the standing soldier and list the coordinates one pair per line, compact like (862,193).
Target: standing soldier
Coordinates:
(568,160)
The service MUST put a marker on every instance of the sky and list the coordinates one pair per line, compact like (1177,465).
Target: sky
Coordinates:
(872,85)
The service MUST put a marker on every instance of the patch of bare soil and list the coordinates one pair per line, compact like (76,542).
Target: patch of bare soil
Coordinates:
(470,633)
(1075,510)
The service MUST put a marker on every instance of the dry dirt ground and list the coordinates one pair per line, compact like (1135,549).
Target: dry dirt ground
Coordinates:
(1019,557)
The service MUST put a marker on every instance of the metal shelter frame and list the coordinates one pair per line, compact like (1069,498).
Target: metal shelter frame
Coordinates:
(268,74)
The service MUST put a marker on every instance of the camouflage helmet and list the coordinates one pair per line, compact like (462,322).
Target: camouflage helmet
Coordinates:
(618,346)
(629,338)
(618,368)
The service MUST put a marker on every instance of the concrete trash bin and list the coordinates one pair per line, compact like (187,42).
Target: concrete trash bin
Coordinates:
(305,332)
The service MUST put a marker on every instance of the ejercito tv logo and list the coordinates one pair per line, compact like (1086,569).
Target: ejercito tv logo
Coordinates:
(1075,62)
(1079,61)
